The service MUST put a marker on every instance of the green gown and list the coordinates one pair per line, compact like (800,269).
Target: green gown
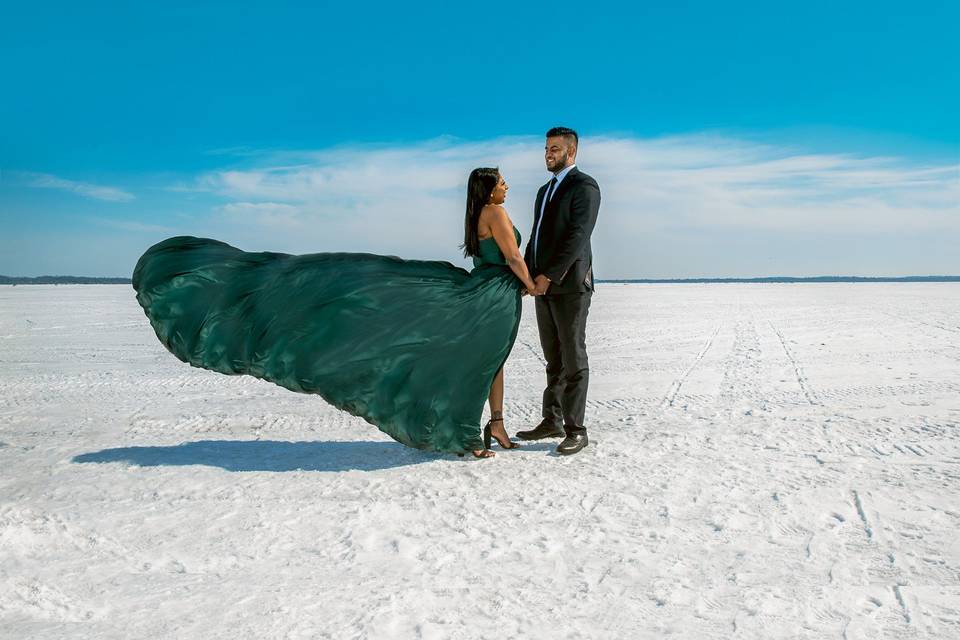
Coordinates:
(410,346)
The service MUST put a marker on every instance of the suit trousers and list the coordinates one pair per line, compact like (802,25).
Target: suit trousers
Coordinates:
(562,322)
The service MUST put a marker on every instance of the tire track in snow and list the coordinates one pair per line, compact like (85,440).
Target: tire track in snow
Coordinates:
(678,383)
(797,369)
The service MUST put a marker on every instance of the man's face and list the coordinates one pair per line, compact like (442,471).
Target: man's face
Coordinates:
(558,153)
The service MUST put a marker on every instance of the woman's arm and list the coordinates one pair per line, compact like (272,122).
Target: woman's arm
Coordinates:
(502,229)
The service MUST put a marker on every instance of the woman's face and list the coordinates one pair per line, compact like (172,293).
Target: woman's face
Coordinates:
(499,192)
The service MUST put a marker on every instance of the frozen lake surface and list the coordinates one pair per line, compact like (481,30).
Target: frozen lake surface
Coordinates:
(767,461)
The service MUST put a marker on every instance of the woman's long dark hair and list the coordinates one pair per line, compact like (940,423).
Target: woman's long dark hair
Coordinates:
(480,185)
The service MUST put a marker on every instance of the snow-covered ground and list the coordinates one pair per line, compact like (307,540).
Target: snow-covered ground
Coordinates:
(767,461)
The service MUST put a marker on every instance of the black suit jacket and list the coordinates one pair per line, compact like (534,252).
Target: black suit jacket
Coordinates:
(563,252)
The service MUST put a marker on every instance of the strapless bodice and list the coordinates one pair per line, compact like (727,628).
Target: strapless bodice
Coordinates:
(490,252)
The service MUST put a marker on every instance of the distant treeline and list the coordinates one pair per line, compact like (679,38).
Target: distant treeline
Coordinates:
(772,279)
(62,280)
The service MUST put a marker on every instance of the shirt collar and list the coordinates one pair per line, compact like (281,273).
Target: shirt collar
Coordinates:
(560,176)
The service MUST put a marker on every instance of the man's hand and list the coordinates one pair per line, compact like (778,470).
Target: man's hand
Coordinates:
(542,282)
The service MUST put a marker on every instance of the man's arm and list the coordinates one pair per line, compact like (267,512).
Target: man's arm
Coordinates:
(583,217)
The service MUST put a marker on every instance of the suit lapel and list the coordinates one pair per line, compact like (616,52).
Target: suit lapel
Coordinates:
(536,208)
(536,220)
(562,188)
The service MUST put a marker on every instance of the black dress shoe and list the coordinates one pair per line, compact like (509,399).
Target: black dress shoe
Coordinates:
(545,429)
(572,444)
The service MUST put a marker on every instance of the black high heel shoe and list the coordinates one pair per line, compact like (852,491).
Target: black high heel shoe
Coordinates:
(488,436)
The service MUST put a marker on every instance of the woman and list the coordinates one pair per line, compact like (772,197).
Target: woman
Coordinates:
(492,239)
(413,347)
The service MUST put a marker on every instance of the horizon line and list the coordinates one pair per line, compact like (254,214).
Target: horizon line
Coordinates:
(70,279)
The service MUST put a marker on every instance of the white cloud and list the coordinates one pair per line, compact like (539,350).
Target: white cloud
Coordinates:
(408,200)
(263,213)
(98,192)
(130,225)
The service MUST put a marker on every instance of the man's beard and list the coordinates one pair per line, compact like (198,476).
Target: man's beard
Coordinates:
(560,164)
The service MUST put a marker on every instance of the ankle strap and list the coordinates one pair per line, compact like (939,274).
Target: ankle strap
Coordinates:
(495,420)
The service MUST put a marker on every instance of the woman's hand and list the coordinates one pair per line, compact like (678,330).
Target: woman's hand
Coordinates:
(541,284)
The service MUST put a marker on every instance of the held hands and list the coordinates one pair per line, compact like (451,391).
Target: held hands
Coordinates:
(540,286)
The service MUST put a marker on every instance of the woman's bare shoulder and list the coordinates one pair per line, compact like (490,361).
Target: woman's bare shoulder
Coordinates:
(490,215)
(491,212)
(493,209)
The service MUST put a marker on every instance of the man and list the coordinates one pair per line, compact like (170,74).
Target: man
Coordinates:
(559,258)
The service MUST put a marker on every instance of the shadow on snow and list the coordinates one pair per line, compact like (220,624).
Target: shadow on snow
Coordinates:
(268,455)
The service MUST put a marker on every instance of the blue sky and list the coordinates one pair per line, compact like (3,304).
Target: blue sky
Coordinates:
(730,139)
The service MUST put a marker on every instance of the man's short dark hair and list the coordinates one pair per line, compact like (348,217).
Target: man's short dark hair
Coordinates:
(569,134)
